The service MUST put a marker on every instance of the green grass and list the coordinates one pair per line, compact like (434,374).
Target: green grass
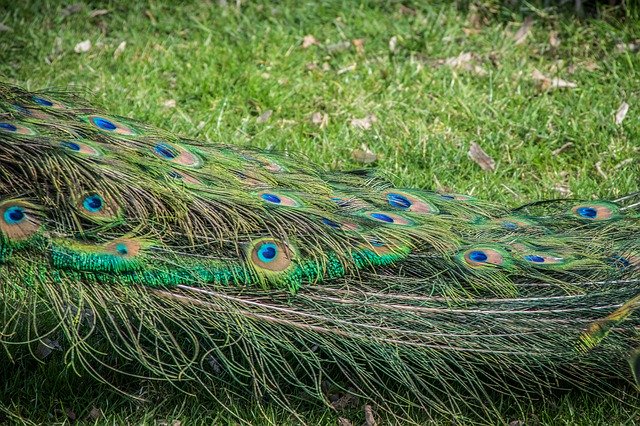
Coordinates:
(226,66)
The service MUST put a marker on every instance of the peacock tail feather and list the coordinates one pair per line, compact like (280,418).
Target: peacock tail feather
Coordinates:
(132,245)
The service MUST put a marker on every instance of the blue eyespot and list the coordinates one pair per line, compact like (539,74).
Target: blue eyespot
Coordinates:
(620,261)
(271,198)
(165,151)
(14,215)
(399,201)
(42,101)
(478,256)
(104,124)
(331,223)
(382,217)
(447,197)
(93,203)
(510,226)
(376,243)
(587,212)
(70,145)
(267,252)
(122,249)
(175,174)
(8,127)
(534,258)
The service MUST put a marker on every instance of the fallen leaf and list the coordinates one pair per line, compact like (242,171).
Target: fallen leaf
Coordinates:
(460,60)
(344,422)
(368,416)
(344,401)
(265,116)
(562,149)
(628,47)
(347,68)
(524,30)
(599,170)
(358,43)
(98,12)
(169,103)
(477,154)
(563,186)
(554,41)
(622,112)
(320,118)
(364,123)
(551,83)
(393,43)
(364,155)
(623,163)
(71,9)
(45,347)
(83,46)
(4,28)
(308,41)
(338,47)
(591,66)
(95,414)
(152,18)
(119,49)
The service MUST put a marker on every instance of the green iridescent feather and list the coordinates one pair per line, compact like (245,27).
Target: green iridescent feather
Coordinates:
(134,246)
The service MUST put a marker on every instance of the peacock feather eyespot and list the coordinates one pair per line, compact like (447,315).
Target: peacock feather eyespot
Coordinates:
(16,128)
(184,177)
(124,247)
(93,203)
(95,206)
(175,154)
(279,199)
(410,202)
(481,256)
(542,259)
(110,125)
(399,201)
(596,211)
(456,197)
(344,225)
(14,215)
(19,220)
(270,254)
(80,147)
(389,218)
(48,103)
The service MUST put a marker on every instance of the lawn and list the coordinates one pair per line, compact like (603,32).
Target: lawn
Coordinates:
(406,88)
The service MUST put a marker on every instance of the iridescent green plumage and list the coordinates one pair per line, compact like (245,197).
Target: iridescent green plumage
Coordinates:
(123,240)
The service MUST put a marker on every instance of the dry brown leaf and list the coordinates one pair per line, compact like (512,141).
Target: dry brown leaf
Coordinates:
(95,414)
(460,60)
(521,35)
(358,43)
(551,83)
(265,116)
(393,44)
(169,103)
(98,12)
(364,155)
(562,149)
(344,422)
(369,418)
(347,68)
(119,49)
(554,41)
(344,401)
(308,41)
(599,170)
(477,154)
(628,47)
(364,123)
(83,46)
(623,163)
(338,47)
(320,118)
(622,112)
(71,9)
(591,66)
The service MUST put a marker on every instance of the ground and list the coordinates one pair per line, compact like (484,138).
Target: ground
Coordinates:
(407,88)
